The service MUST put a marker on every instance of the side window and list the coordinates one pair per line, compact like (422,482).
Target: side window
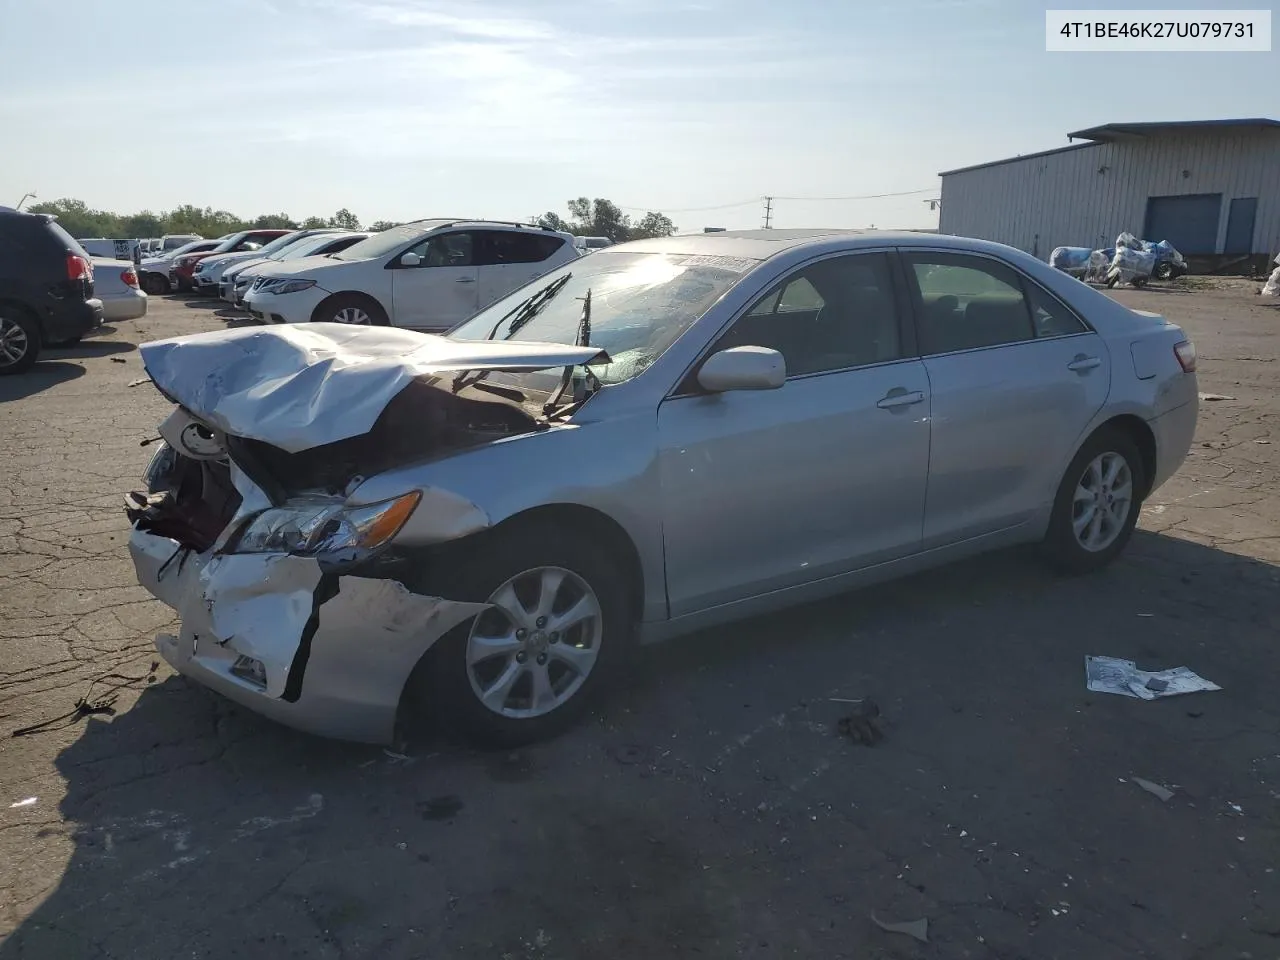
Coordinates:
(510,246)
(1050,317)
(967,302)
(445,250)
(835,314)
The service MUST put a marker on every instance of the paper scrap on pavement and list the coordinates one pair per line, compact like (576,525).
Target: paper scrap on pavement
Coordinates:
(1112,675)
(912,928)
(1155,789)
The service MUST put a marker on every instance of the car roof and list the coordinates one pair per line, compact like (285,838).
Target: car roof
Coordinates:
(765,244)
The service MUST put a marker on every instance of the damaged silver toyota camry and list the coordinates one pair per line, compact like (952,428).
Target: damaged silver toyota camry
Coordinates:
(661,436)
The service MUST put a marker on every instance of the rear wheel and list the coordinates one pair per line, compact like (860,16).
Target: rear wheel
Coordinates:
(154,284)
(1097,504)
(351,308)
(19,340)
(558,627)
(1163,271)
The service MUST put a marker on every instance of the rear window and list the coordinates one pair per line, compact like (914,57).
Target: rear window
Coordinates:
(68,241)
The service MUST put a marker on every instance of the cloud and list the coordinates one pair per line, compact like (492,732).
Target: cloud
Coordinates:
(488,24)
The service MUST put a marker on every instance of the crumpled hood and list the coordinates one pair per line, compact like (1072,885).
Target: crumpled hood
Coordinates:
(298,386)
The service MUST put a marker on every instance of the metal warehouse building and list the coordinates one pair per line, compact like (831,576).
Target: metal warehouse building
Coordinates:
(1209,187)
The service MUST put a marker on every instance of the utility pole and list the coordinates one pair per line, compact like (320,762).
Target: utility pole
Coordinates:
(768,213)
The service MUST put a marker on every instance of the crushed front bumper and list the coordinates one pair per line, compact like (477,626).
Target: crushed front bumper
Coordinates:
(336,650)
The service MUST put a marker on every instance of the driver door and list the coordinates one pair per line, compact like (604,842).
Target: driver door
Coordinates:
(768,489)
(441,290)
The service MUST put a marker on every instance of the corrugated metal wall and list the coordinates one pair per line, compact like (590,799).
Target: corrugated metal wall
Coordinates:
(1061,199)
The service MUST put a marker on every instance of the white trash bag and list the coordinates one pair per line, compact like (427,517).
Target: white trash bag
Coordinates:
(1272,286)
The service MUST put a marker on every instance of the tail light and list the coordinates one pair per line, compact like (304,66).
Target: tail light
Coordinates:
(78,268)
(130,278)
(1185,351)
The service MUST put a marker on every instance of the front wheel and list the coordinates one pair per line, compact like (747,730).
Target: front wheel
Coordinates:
(351,309)
(1097,504)
(1163,271)
(19,340)
(527,667)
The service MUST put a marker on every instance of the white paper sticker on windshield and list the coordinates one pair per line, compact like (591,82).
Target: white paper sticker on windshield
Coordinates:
(736,264)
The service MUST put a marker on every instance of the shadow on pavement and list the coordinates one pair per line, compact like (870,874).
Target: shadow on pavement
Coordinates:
(196,829)
(45,374)
(89,348)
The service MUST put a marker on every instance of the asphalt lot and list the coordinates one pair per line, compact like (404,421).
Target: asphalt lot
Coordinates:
(709,809)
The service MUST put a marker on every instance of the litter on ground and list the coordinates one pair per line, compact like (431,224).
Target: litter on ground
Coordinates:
(30,801)
(1122,677)
(1164,793)
(912,928)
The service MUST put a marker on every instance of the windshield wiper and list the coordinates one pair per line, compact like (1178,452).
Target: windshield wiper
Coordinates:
(552,407)
(529,308)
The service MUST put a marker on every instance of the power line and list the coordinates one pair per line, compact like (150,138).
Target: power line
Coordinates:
(869,196)
(723,206)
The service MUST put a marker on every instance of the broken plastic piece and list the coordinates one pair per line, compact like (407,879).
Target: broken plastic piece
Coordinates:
(30,801)
(912,928)
(1122,677)
(1164,793)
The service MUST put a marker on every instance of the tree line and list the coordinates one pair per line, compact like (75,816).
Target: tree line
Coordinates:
(603,218)
(78,219)
(587,218)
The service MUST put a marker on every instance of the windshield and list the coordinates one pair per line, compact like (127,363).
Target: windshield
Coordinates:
(387,241)
(308,246)
(640,304)
(279,243)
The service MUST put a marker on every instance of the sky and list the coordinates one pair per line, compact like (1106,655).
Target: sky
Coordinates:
(504,109)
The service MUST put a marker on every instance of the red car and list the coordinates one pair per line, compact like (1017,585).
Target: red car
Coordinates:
(182,268)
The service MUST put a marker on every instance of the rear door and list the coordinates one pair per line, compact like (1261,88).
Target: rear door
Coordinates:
(1015,378)
(441,290)
(508,259)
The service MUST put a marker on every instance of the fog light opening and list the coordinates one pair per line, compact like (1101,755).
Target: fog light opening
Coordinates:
(247,668)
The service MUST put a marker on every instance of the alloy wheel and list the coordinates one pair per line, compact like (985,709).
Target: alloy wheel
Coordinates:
(532,650)
(14,342)
(353,315)
(1102,501)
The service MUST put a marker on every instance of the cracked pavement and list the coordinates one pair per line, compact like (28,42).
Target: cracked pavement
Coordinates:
(708,808)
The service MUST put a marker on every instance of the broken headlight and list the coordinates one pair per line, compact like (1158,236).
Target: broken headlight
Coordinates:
(322,527)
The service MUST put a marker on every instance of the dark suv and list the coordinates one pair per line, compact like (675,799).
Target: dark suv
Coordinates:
(46,288)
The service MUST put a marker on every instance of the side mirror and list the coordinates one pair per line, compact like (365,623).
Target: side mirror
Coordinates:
(410,259)
(743,368)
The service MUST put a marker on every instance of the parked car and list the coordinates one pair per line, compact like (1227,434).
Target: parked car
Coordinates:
(184,266)
(208,272)
(588,244)
(428,275)
(661,436)
(237,278)
(170,242)
(115,283)
(46,288)
(113,249)
(153,272)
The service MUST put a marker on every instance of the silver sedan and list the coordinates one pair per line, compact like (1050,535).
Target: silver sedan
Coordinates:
(666,435)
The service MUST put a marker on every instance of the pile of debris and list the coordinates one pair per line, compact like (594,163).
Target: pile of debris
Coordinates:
(1130,261)
(1272,287)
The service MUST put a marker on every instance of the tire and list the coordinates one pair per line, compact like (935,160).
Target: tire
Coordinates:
(1112,281)
(1163,271)
(352,306)
(19,340)
(154,285)
(455,671)
(1064,549)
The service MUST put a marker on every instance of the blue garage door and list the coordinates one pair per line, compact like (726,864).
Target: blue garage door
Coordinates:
(1240,220)
(1189,222)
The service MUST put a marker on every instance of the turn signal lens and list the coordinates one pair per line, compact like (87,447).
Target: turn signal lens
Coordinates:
(1185,351)
(377,524)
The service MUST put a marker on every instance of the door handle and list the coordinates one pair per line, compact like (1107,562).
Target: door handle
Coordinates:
(1083,363)
(898,397)
(464,279)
